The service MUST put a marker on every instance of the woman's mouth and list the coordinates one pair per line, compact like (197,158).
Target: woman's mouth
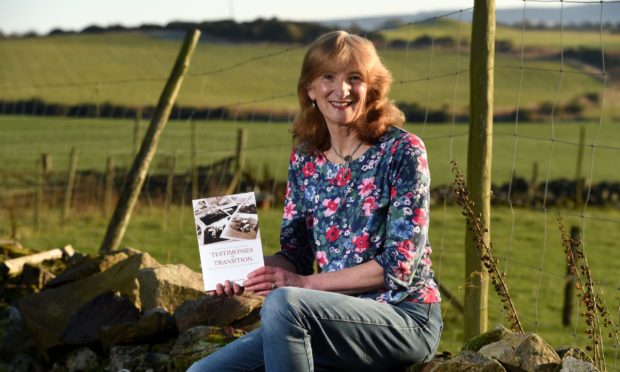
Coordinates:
(341,104)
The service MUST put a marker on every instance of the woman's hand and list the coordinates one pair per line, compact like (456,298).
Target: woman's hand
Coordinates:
(261,279)
(228,288)
(267,278)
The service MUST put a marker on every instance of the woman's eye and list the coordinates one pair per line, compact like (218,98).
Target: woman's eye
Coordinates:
(328,77)
(355,79)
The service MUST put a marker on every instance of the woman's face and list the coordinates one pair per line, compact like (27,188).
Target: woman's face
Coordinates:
(340,96)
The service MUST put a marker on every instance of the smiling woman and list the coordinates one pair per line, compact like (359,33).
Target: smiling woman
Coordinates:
(356,208)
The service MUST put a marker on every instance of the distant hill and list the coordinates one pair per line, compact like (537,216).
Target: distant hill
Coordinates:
(570,16)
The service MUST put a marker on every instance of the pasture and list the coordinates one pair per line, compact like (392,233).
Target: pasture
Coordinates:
(516,146)
(527,243)
(131,68)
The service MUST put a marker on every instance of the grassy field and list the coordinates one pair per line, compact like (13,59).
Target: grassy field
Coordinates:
(131,69)
(530,38)
(527,243)
(516,147)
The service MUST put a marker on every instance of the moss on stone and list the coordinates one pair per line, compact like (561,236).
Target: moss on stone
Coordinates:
(477,342)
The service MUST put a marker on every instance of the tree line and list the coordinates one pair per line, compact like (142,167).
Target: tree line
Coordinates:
(259,30)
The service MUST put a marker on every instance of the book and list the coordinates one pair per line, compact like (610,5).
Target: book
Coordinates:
(228,238)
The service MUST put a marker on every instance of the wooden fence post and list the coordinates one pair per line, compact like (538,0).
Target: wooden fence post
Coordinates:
(136,132)
(38,195)
(42,175)
(532,186)
(479,151)
(66,205)
(137,174)
(579,180)
(109,186)
(575,231)
(242,138)
(169,188)
(193,160)
(569,286)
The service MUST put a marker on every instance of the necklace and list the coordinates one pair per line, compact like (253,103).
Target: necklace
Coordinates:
(347,159)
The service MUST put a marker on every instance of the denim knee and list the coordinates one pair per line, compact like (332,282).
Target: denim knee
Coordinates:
(279,307)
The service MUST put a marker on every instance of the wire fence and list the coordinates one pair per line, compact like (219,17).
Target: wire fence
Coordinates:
(556,138)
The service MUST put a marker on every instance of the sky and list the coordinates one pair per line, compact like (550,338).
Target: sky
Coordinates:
(41,16)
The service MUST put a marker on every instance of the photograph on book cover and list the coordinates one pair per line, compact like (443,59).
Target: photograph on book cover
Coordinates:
(228,237)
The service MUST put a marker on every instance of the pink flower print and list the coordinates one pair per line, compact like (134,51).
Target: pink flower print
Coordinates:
(321,258)
(331,206)
(320,159)
(308,169)
(429,295)
(427,255)
(393,148)
(361,243)
(419,217)
(406,248)
(367,187)
(288,190)
(392,192)
(343,176)
(289,211)
(369,205)
(402,270)
(422,165)
(415,141)
(332,233)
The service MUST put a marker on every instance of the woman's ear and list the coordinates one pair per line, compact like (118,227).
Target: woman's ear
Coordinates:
(311,94)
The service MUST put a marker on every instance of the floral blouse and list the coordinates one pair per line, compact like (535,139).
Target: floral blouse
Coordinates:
(374,209)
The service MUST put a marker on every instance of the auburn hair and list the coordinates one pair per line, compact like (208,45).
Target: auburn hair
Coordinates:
(336,51)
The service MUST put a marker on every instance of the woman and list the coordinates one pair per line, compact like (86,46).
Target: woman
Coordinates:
(357,205)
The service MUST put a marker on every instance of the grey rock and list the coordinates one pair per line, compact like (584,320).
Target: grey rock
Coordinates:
(128,357)
(469,361)
(93,265)
(168,286)
(35,276)
(24,362)
(105,310)
(14,337)
(47,313)
(572,364)
(198,342)
(136,358)
(218,311)
(525,351)
(575,352)
(477,342)
(156,324)
(82,359)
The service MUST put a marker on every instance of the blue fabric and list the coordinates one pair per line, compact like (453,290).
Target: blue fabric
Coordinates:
(376,207)
(309,330)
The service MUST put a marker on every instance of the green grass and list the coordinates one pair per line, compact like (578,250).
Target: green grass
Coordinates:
(527,243)
(553,148)
(531,38)
(131,69)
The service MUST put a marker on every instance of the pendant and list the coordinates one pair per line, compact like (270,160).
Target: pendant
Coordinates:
(347,159)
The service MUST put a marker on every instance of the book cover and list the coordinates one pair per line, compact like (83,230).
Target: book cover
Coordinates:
(228,238)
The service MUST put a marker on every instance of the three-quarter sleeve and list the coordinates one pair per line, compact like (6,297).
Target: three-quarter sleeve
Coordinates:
(294,232)
(408,214)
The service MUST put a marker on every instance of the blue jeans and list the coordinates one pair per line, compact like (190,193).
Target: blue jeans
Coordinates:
(308,330)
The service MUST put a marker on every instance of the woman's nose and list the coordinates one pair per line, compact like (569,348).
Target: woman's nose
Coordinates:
(343,87)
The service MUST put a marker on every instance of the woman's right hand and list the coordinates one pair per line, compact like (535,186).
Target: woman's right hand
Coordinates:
(228,289)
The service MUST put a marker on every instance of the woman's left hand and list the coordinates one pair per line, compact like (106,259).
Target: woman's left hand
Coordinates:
(267,278)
